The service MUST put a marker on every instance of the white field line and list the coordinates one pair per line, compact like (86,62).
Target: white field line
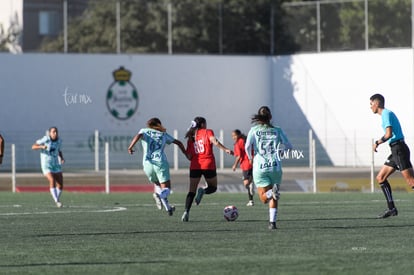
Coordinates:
(60,211)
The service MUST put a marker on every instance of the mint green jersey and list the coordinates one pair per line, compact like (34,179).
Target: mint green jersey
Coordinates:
(153,144)
(265,142)
(155,162)
(49,157)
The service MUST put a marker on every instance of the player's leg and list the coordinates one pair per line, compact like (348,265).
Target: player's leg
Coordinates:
(264,193)
(408,175)
(152,177)
(165,192)
(382,179)
(211,180)
(401,154)
(163,176)
(273,204)
(276,179)
(58,177)
(248,184)
(157,190)
(52,185)
(266,196)
(195,177)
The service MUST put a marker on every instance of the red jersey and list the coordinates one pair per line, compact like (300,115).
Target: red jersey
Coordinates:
(240,151)
(202,150)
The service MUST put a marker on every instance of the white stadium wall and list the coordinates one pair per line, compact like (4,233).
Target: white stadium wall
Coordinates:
(328,93)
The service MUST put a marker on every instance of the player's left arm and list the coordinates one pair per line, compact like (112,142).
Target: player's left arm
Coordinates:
(62,160)
(285,141)
(217,143)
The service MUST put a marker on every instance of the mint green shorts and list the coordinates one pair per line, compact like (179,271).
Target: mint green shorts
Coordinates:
(263,179)
(157,173)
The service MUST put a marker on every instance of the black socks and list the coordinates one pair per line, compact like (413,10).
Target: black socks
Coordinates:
(386,189)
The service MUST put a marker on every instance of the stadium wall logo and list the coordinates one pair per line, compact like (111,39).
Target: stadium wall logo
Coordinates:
(122,96)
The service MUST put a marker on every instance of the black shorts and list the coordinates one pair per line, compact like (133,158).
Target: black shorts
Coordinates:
(197,173)
(400,156)
(247,174)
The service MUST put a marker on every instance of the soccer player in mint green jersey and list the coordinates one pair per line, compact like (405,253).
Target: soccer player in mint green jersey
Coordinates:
(266,141)
(400,153)
(51,158)
(154,138)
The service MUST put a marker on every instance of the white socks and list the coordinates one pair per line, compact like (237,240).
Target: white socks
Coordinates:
(269,194)
(272,214)
(55,192)
(163,194)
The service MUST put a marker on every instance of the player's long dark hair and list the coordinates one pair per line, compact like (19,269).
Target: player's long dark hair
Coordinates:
(263,116)
(198,123)
(239,134)
(155,123)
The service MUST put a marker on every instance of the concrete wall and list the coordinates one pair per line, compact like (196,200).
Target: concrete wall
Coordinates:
(328,93)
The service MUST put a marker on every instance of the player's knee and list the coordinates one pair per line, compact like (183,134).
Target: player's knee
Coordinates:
(380,179)
(210,189)
(263,198)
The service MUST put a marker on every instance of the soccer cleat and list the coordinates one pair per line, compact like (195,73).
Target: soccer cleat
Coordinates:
(200,194)
(185,217)
(171,210)
(59,204)
(388,213)
(157,201)
(275,191)
(272,225)
(250,203)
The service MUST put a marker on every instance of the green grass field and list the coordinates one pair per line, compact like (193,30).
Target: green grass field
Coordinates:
(330,233)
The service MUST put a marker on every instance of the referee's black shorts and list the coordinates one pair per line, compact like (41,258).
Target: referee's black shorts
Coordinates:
(400,156)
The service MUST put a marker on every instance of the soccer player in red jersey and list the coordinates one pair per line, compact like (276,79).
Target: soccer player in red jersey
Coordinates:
(203,163)
(245,165)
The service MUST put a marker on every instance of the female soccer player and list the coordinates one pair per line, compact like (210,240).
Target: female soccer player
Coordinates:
(51,159)
(154,138)
(200,141)
(245,165)
(265,140)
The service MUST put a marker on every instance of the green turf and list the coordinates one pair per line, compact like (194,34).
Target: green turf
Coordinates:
(93,234)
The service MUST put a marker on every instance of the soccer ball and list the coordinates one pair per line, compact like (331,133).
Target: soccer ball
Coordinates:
(230,213)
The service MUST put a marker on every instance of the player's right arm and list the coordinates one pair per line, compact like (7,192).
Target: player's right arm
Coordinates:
(134,140)
(38,146)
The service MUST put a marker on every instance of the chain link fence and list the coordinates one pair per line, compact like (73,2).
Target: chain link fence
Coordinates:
(217,27)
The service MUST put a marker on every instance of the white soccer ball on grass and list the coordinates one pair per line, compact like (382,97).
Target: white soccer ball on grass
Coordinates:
(230,213)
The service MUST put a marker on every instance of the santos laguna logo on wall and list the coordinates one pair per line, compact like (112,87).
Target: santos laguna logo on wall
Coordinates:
(122,96)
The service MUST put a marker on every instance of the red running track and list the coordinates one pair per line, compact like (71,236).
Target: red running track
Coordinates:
(90,188)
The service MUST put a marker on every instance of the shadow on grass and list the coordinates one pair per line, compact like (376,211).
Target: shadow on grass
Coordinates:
(355,223)
(130,233)
(85,263)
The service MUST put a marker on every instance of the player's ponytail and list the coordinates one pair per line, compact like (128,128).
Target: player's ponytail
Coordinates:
(263,116)
(197,123)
